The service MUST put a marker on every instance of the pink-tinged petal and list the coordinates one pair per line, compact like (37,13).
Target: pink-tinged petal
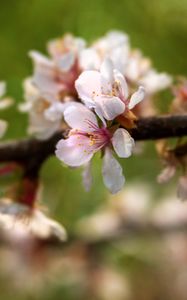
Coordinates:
(154,82)
(112,173)
(5,103)
(120,79)
(2,88)
(182,188)
(89,59)
(66,61)
(88,86)
(74,151)
(110,107)
(87,176)
(54,112)
(107,70)
(80,117)
(166,174)
(3,127)
(122,142)
(107,77)
(45,74)
(99,113)
(137,97)
(40,59)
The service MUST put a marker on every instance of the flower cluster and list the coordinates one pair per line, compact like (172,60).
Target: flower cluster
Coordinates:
(53,84)
(110,79)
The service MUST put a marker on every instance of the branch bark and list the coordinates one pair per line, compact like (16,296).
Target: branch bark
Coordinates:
(32,152)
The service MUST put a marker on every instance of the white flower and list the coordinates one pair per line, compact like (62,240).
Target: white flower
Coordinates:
(20,220)
(154,81)
(45,111)
(106,91)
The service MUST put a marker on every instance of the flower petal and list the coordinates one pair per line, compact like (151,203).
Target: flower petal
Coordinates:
(78,116)
(66,61)
(112,173)
(3,127)
(137,97)
(2,88)
(88,85)
(107,70)
(110,107)
(87,176)
(122,83)
(40,59)
(122,142)
(5,103)
(182,188)
(154,82)
(74,151)
(89,59)
(45,74)
(55,112)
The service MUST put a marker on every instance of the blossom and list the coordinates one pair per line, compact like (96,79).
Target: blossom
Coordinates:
(139,71)
(114,45)
(45,111)
(4,103)
(19,220)
(68,45)
(51,78)
(86,138)
(57,73)
(106,91)
(136,68)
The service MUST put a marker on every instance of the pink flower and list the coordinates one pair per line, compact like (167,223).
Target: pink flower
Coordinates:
(86,138)
(106,91)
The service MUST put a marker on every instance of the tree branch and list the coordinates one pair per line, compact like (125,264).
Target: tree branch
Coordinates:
(32,152)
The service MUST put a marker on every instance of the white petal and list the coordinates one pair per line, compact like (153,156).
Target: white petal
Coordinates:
(117,38)
(87,177)
(2,88)
(44,77)
(66,61)
(137,97)
(110,107)
(74,150)
(122,82)
(88,85)
(112,173)
(122,142)
(3,127)
(182,188)
(39,58)
(5,103)
(89,59)
(79,117)
(166,174)
(107,71)
(54,112)
(154,82)
(44,227)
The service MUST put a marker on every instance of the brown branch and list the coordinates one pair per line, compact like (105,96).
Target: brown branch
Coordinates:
(153,128)
(32,152)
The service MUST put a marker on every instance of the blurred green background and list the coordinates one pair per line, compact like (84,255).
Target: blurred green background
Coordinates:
(158,27)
